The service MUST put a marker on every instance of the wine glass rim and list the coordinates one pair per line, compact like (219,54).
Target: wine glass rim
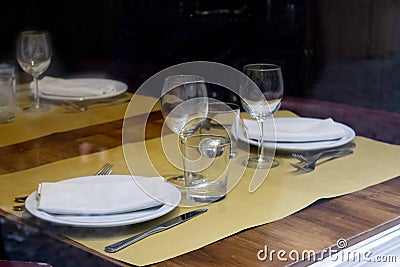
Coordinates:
(261,66)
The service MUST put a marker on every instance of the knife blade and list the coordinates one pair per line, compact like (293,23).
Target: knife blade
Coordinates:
(159,228)
(296,142)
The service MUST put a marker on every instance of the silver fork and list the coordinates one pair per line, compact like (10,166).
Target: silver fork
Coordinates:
(83,105)
(105,170)
(310,166)
(313,157)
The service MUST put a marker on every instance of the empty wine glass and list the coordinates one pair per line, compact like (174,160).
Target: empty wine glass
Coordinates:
(261,102)
(184,107)
(34,56)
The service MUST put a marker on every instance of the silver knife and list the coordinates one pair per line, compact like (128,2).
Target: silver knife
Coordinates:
(159,228)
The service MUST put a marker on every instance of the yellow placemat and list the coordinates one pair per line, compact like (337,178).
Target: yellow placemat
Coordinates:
(283,193)
(28,126)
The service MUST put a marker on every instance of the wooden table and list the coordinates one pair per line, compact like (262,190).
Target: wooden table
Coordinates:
(352,217)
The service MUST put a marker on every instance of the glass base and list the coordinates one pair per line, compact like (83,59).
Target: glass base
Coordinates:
(206,192)
(6,117)
(204,199)
(37,108)
(261,163)
(177,180)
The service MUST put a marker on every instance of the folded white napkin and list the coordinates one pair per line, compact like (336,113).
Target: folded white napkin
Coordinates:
(297,130)
(100,198)
(75,87)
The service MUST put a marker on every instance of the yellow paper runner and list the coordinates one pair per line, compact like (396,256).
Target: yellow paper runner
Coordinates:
(283,193)
(29,126)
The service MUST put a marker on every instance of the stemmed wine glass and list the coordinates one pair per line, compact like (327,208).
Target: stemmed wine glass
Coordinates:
(261,102)
(184,106)
(34,56)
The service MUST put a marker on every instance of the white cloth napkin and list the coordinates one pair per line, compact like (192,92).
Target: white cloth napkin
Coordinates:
(100,198)
(297,130)
(75,87)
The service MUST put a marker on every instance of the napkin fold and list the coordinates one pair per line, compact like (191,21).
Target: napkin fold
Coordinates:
(75,87)
(291,130)
(100,198)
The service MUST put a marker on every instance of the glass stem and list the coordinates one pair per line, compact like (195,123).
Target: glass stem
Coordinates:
(261,140)
(186,174)
(36,94)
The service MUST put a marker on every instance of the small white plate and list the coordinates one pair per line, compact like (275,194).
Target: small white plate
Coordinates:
(173,197)
(305,146)
(119,86)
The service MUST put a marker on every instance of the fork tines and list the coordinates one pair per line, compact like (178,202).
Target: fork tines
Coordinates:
(300,157)
(105,170)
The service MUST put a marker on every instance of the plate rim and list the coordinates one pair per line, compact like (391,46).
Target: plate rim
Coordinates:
(290,147)
(123,87)
(31,203)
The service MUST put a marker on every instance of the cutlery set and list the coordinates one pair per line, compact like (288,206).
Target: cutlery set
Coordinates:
(83,105)
(159,228)
(308,162)
(19,200)
(305,165)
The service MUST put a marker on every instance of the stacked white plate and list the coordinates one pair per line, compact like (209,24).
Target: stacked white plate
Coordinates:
(165,195)
(299,134)
(79,89)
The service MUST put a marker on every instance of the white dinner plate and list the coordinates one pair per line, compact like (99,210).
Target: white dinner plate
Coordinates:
(305,146)
(173,197)
(119,86)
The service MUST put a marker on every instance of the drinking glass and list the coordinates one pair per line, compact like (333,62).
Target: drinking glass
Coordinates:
(34,56)
(206,158)
(184,106)
(7,107)
(223,119)
(261,102)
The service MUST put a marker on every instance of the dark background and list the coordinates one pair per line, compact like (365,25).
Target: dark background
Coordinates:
(340,50)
